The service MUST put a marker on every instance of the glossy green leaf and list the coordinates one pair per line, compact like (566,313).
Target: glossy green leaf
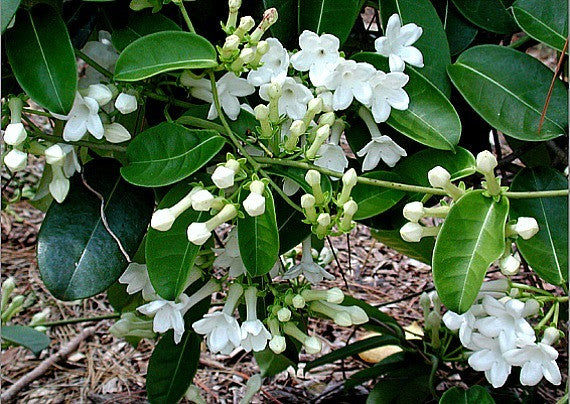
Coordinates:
(422,251)
(430,118)
(168,153)
(547,251)
(378,320)
(298,175)
(172,367)
(491,15)
(409,384)
(322,16)
(544,20)
(287,25)
(473,395)
(121,301)
(271,364)
(470,239)
(292,231)
(77,257)
(508,89)
(41,56)
(169,254)
(460,32)
(433,42)
(9,8)
(27,337)
(258,238)
(141,25)
(162,52)
(388,364)
(373,200)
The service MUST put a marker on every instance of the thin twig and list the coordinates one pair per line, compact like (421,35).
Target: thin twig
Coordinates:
(338,264)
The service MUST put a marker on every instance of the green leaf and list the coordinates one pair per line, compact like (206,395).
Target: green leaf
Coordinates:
(322,16)
(258,238)
(172,367)
(292,231)
(473,395)
(168,153)
(77,257)
(162,52)
(169,254)
(121,301)
(543,20)
(27,337)
(287,26)
(298,175)
(433,42)
(508,89)
(470,239)
(409,384)
(430,119)
(547,251)
(373,200)
(422,251)
(388,364)
(141,25)
(42,59)
(352,349)
(9,8)
(491,15)
(271,364)
(378,320)
(460,32)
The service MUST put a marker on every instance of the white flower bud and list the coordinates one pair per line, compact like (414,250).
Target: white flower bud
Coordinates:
(126,103)
(510,265)
(116,133)
(55,155)
(342,318)
(350,178)
(278,344)
(254,204)
(202,200)
(335,295)
(232,43)
(257,187)
(100,93)
(497,285)
(312,345)
(59,185)
(327,118)
(486,162)
(550,336)
(526,227)
(246,55)
(414,211)
(16,160)
(315,106)
(274,90)
(313,178)
(357,314)
(15,134)
(433,320)
(284,314)
(411,232)
(307,201)
(162,220)
(298,302)
(223,177)
(439,177)
(246,23)
(261,112)
(198,233)
(324,219)
(350,208)
(262,48)
(297,128)
(234,5)
(323,133)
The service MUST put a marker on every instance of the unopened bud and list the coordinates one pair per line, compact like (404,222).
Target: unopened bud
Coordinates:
(510,265)
(16,160)
(284,314)
(313,178)
(486,162)
(126,103)
(245,24)
(116,133)
(312,345)
(269,18)
(328,118)
(55,155)
(15,134)
(278,344)
(526,227)
(550,336)
(414,211)
(349,180)
(439,177)
(298,302)
(411,232)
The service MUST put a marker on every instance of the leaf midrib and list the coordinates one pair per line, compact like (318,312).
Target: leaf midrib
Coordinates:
(522,10)
(178,156)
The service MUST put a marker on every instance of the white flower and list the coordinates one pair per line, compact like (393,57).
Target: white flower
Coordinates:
(104,54)
(380,148)
(350,80)
(167,314)
(16,160)
(293,100)
(327,96)
(126,103)
(100,93)
(489,359)
(330,154)
(15,134)
(71,164)
(221,330)
(254,335)
(229,256)
(274,64)
(311,271)
(229,87)
(136,278)
(388,93)
(82,118)
(465,323)
(319,55)
(116,133)
(396,45)
(537,360)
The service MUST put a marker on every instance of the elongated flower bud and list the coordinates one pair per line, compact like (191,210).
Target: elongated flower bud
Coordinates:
(269,18)
(296,130)
(322,134)
(313,178)
(439,177)
(349,180)
(15,134)
(413,232)
(234,6)
(308,204)
(262,115)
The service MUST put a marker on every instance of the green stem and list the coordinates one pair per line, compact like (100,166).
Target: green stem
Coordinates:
(36,112)
(547,317)
(94,64)
(79,320)
(100,146)
(180,5)
(530,288)
(536,194)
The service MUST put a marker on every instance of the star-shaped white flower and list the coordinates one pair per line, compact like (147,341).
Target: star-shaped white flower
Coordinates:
(311,271)
(136,278)
(293,100)
(332,156)
(103,53)
(254,335)
(83,118)
(489,359)
(388,93)
(229,256)
(167,315)
(465,323)
(396,45)
(350,80)
(319,55)
(380,148)
(274,64)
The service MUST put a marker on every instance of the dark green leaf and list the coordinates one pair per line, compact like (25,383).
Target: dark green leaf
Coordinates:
(474,395)
(386,365)
(430,118)
(433,42)
(172,367)
(169,254)
(460,32)
(292,231)
(421,251)
(141,25)
(409,384)
(543,20)
(508,89)
(373,200)
(42,58)
(547,251)
(258,238)
(162,52)
(287,26)
(27,337)
(77,257)
(9,8)
(121,301)
(379,321)
(298,175)
(470,239)
(491,15)
(271,364)
(322,16)
(168,153)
